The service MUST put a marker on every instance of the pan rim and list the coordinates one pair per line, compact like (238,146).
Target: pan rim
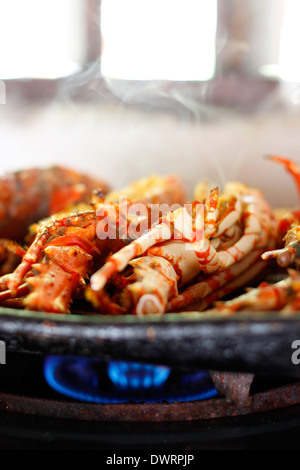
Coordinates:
(170,317)
(236,343)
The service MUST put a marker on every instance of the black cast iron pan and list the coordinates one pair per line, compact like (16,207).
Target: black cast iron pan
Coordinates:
(254,342)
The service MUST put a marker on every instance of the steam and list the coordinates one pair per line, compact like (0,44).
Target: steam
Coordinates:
(79,86)
(184,99)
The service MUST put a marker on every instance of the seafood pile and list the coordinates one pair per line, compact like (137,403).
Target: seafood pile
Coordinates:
(145,249)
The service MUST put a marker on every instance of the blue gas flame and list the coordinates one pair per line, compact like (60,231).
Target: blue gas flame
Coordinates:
(133,375)
(92,380)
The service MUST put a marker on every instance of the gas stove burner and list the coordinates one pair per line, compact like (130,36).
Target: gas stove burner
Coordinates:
(92,380)
(143,393)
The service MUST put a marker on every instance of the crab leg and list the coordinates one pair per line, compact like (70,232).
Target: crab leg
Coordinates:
(32,255)
(4,282)
(211,289)
(266,297)
(291,251)
(118,261)
(29,258)
(208,257)
(231,216)
(285,256)
(190,258)
(170,225)
(51,289)
(247,241)
(12,247)
(212,214)
(247,276)
(211,260)
(6,294)
(64,247)
(151,271)
(290,166)
(20,292)
(201,290)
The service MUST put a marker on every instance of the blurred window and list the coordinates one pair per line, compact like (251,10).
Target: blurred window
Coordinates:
(144,40)
(39,38)
(289,64)
(158,39)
